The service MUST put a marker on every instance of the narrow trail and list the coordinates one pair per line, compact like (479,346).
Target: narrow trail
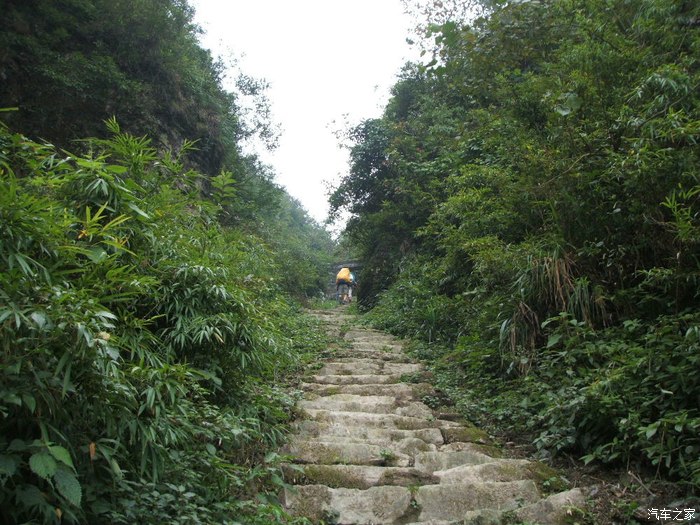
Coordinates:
(372,453)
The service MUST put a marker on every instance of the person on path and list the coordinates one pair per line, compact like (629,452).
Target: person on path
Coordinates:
(342,285)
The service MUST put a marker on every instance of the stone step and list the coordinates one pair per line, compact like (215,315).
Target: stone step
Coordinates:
(401,391)
(369,452)
(498,470)
(329,431)
(369,334)
(357,476)
(375,355)
(407,445)
(326,450)
(452,502)
(365,379)
(554,510)
(350,403)
(390,504)
(359,348)
(368,367)
(557,509)
(334,453)
(431,462)
(388,421)
(367,404)
(344,506)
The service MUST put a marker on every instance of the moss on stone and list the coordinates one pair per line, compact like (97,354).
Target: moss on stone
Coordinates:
(465,434)
(547,479)
(489,450)
(421,390)
(334,477)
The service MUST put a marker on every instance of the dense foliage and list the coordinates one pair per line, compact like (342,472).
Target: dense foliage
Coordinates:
(149,287)
(143,344)
(70,65)
(528,206)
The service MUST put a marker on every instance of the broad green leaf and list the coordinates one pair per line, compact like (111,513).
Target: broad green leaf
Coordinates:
(68,486)
(553,339)
(43,465)
(62,455)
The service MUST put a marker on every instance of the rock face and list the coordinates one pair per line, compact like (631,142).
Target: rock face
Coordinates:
(369,452)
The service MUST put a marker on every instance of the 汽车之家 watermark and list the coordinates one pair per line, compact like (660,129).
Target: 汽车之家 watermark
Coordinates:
(671,514)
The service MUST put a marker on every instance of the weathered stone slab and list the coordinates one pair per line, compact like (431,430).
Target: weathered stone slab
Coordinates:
(415,409)
(373,420)
(358,476)
(310,501)
(351,403)
(452,502)
(363,379)
(367,404)
(357,367)
(330,432)
(431,462)
(330,453)
(368,334)
(411,446)
(370,353)
(554,510)
(384,504)
(402,368)
(401,391)
(489,450)
(376,505)
(498,470)
(466,434)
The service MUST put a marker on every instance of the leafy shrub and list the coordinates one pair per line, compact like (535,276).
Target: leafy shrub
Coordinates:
(141,344)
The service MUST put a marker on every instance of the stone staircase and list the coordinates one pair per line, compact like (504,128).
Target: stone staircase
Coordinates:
(367,451)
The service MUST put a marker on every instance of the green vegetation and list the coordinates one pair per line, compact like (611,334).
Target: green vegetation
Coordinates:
(527,207)
(150,276)
(144,346)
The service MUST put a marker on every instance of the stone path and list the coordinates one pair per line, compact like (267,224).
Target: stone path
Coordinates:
(368,451)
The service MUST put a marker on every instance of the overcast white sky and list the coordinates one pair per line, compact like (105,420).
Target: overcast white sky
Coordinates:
(323,59)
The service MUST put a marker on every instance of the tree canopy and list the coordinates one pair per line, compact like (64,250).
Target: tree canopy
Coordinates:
(528,203)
